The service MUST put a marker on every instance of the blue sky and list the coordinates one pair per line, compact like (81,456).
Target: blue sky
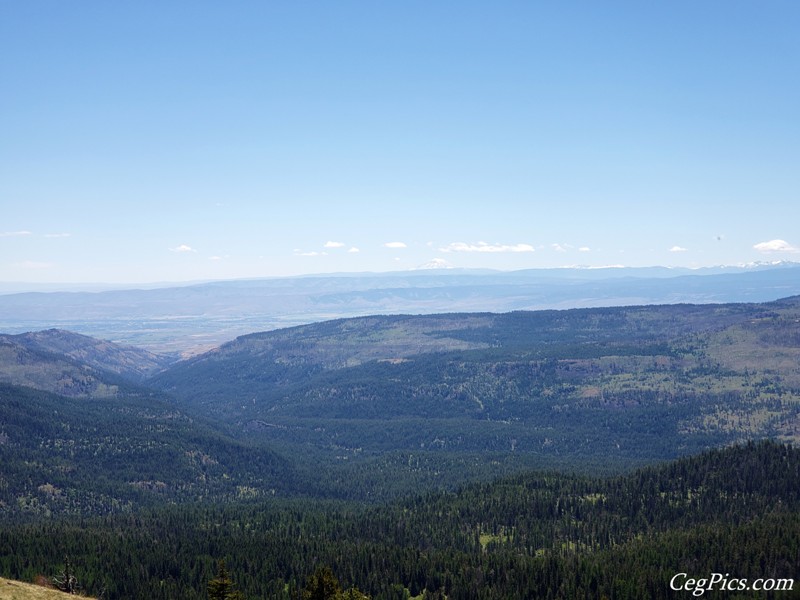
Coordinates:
(165,141)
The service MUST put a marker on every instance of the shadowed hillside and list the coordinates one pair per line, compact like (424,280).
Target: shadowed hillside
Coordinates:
(96,456)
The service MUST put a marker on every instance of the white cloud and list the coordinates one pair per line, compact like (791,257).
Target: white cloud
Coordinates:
(560,247)
(484,247)
(776,246)
(584,249)
(14,233)
(354,250)
(334,245)
(182,248)
(312,253)
(395,245)
(215,258)
(677,249)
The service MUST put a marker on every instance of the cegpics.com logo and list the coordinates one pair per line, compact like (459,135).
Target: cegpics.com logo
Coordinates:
(681,582)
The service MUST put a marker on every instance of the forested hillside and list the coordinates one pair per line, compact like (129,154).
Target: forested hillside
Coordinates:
(374,408)
(535,535)
(81,456)
(474,456)
(129,362)
(587,389)
(74,365)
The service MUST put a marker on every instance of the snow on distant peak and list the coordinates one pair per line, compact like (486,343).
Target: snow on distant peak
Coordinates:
(768,264)
(436,263)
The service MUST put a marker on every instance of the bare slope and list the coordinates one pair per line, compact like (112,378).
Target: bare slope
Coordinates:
(17,590)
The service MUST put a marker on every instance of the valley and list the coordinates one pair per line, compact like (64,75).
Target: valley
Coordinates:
(354,437)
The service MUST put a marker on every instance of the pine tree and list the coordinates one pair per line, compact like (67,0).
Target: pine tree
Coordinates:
(322,585)
(222,587)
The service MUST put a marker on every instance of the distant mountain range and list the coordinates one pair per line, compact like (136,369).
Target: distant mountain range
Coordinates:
(188,319)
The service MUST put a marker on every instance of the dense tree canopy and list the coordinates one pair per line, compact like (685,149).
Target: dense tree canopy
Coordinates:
(534,535)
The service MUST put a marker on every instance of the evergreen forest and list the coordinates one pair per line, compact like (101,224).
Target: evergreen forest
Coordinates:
(533,535)
(588,453)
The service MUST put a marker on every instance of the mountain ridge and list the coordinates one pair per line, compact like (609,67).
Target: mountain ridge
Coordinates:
(433,400)
(73,364)
(624,385)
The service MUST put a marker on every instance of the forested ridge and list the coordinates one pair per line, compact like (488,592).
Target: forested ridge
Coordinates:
(463,456)
(428,398)
(534,535)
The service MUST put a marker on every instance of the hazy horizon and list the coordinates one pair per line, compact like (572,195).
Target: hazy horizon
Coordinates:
(17,287)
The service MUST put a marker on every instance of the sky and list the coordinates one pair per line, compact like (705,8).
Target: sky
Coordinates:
(188,140)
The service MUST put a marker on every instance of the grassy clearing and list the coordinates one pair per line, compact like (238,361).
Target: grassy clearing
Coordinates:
(17,590)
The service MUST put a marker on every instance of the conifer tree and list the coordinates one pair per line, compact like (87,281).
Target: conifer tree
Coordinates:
(323,585)
(222,587)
